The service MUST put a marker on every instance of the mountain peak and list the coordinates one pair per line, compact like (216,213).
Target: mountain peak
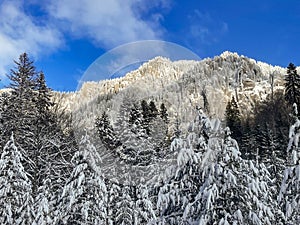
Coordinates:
(227,54)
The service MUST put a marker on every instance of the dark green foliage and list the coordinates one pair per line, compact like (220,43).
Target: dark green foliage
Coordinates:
(135,114)
(43,99)
(248,141)
(205,101)
(145,116)
(163,112)
(46,147)
(145,109)
(274,114)
(233,119)
(19,114)
(265,136)
(152,110)
(105,132)
(292,85)
(266,142)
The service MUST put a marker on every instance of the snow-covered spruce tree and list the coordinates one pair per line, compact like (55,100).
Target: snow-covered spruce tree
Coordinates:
(84,196)
(125,206)
(178,191)
(234,191)
(269,154)
(105,132)
(43,204)
(135,146)
(289,196)
(28,112)
(18,116)
(146,116)
(113,197)
(144,209)
(16,202)
(292,85)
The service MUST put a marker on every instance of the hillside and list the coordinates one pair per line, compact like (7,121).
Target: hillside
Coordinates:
(181,86)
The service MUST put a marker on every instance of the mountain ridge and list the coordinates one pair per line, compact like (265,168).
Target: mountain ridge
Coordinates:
(181,86)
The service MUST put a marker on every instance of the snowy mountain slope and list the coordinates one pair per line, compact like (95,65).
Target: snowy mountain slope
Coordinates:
(181,86)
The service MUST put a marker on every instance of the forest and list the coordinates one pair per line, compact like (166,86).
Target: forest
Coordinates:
(142,168)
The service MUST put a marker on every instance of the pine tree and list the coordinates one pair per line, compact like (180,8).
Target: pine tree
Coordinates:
(234,191)
(233,119)
(144,207)
(38,134)
(146,114)
(44,204)
(292,85)
(105,132)
(248,142)
(43,99)
(289,195)
(152,110)
(135,115)
(135,143)
(126,207)
(179,191)
(163,113)
(113,197)
(19,114)
(16,202)
(136,122)
(84,196)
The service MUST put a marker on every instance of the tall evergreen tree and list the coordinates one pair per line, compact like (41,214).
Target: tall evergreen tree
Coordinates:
(16,202)
(231,192)
(146,114)
(144,212)
(163,112)
(292,85)
(83,199)
(152,110)
(43,142)
(233,119)
(44,204)
(248,141)
(126,207)
(105,132)
(135,115)
(20,111)
(289,195)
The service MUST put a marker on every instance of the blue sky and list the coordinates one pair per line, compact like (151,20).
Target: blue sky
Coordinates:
(64,37)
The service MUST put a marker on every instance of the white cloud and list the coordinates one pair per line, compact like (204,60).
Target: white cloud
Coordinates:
(19,33)
(107,23)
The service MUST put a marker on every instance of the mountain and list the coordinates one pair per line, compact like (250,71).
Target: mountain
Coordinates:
(181,86)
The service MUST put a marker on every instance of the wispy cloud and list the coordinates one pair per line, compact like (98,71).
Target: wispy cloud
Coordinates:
(205,28)
(19,33)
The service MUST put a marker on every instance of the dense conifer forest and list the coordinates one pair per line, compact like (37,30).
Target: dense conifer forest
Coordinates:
(142,167)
